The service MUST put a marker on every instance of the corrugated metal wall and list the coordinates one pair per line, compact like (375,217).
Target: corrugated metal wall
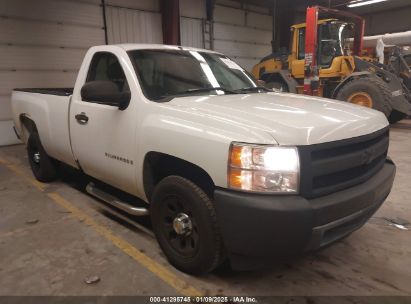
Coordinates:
(42,44)
(192,32)
(192,23)
(391,21)
(242,33)
(134,22)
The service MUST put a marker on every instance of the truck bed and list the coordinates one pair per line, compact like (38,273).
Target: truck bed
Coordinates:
(48,91)
(49,109)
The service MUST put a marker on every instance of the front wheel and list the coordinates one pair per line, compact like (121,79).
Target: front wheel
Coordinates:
(185,224)
(42,165)
(369,92)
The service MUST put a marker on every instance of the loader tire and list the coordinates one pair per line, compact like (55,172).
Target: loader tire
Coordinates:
(277,85)
(367,91)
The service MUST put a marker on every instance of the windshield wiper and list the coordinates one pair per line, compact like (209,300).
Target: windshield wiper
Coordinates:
(168,97)
(195,90)
(253,89)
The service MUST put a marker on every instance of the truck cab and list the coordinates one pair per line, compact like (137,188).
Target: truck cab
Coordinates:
(333,49)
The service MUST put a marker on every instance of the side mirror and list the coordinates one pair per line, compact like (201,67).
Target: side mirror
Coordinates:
(105,92)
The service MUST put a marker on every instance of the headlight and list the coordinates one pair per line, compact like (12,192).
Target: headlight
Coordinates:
(260,168)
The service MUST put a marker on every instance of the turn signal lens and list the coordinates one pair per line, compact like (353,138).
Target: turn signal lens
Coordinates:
(235,156)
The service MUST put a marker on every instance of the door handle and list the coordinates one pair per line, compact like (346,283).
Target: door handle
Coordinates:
(82,118)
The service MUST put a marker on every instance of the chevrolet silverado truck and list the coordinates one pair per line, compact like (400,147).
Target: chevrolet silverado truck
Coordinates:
(224,168)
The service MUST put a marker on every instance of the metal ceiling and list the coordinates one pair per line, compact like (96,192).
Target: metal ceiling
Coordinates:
(373,8)
(289,12)
(301,5)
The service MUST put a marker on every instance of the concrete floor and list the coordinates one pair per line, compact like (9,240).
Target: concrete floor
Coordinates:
(74,238)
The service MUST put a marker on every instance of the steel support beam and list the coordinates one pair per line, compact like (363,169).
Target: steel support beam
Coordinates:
(170,13)
(103,6)
(275,41)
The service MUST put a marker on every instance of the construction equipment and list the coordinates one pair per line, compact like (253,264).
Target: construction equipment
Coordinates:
(399,63)
(325,60)
(393,50)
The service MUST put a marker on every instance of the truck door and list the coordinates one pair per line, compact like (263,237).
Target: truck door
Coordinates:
(103,136)
(297,65)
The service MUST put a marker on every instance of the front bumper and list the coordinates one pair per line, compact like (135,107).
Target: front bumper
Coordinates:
(258,227)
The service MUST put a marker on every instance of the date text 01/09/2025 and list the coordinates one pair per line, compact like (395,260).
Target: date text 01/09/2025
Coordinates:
(204,299)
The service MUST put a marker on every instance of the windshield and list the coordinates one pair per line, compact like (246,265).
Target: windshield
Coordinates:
(334,40)
(168,73)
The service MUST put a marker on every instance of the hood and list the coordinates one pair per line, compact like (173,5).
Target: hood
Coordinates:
(289,118)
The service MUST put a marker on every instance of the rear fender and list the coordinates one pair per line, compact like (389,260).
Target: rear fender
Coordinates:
(27,126)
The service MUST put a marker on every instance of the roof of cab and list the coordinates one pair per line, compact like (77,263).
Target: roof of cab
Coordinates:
(142,46)
(321,21)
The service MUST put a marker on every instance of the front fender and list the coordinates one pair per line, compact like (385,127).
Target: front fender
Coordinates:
(204,143)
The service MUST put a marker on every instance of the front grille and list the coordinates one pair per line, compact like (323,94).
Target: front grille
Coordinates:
(334,166)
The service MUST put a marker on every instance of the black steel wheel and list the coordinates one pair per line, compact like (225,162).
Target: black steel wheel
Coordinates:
(185,224)
(179,226)
(42,165)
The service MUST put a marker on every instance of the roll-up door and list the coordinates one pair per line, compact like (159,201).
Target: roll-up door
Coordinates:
(138,22)
(193,23)
(42,44)
(243,35)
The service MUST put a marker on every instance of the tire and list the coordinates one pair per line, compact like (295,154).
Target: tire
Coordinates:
(196,250)
(375,88)
(42,165)
(276,85)
(396,117)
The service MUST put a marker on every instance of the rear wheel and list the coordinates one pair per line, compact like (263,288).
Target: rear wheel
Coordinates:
(42,165)
(368,92)
(185,224)
(280,86)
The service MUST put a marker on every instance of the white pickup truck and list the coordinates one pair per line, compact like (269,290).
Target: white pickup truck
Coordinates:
(225,168)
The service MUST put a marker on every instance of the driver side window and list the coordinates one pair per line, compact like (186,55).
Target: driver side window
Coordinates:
(105,66)
(327,46)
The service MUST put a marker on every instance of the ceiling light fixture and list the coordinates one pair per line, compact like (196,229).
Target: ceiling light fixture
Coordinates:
(361,3)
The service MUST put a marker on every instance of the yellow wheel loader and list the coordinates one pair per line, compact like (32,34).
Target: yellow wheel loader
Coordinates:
(325,60)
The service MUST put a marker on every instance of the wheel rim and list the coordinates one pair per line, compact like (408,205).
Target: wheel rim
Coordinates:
(179,226)
(36,157)
(361,98)
(182,224)
(34,154)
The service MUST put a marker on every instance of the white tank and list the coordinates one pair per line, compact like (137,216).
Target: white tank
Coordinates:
(400,39)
